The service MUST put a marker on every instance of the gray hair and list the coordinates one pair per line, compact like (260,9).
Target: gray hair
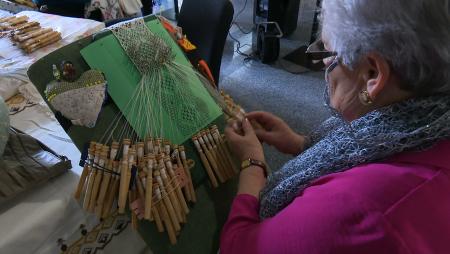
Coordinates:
(412,35)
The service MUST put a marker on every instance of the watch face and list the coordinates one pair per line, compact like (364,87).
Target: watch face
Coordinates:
(245,164)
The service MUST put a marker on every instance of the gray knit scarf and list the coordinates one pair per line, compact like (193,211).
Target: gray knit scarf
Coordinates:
(411,125)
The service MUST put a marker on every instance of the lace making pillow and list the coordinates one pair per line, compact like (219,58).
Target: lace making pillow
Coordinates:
(80,101)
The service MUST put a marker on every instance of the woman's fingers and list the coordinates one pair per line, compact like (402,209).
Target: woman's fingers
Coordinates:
(265,119)
(247,127)
(231,134)
(264,136)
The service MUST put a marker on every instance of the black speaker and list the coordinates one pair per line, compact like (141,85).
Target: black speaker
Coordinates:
(285,13)
(268,44)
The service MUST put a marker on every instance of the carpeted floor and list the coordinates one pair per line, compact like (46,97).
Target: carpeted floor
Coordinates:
(296,98)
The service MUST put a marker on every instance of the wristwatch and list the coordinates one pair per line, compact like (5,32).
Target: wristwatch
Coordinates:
(251,162)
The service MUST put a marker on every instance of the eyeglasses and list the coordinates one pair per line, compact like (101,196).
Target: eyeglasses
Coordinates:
(316,51)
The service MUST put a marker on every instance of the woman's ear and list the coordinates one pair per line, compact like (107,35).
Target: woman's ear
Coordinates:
(377,74)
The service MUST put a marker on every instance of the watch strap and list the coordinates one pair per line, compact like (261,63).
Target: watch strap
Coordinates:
(252,162)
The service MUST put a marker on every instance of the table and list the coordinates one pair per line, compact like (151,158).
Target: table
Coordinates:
(34,221)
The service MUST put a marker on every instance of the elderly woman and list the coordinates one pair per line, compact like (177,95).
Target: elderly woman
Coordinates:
(374,178)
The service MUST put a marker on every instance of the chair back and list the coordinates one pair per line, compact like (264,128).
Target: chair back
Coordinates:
(206,24)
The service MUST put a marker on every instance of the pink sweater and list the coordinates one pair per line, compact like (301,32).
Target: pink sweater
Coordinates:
(401,205)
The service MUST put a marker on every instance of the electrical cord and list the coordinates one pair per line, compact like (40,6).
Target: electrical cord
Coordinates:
(250,56)
(242,30)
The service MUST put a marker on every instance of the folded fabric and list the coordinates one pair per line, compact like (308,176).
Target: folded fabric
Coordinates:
(26,162)
(9,86)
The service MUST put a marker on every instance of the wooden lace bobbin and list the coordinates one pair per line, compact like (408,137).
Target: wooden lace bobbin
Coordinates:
(149,147)
(139,184)
(84,175)
(6,19)
(208,146)
(112,193)
(218,136)
(149,187)
(20,27)
(214,135)
(125,147)
(105,150)
(227,166)
(18,20)
(81,182)
(157,218)
(5,26)
(205,162)
(218,139)
(157,146)
(176,184)
(166,147)
(104,188)
(140,152)
(114,150)
(211,159)
(18,35)
(44,42)
(228,152)
(165,216)
(217,156)
(239,112)
(131,160)
(182,154)
(14,21)
(91,178)
(97,181)
(170,189)
(131,199)
(186,188)
(167,202)
(36,39)
(124,184)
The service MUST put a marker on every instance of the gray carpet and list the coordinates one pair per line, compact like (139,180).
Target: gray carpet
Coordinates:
(295,98)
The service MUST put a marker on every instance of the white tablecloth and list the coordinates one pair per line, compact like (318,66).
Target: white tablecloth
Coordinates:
(34,221)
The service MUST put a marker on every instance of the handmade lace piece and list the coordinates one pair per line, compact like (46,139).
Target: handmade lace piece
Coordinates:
(80,101)
(412,125)
(163,88)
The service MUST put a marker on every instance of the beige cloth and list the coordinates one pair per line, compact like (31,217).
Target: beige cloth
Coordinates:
(131,7)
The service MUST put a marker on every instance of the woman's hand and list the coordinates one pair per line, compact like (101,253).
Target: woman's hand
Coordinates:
(275,132)
(245,145)
(243,141)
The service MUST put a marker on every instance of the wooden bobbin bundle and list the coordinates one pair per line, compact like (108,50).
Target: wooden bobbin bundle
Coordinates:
(235,110)
(27,35)
(215,155)
(152,178)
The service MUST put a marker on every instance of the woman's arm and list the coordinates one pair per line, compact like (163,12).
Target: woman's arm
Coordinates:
(322,220)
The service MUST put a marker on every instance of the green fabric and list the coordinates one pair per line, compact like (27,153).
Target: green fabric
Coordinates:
(107,55)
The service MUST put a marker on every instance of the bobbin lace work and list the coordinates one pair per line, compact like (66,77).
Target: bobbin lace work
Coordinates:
(163,79)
